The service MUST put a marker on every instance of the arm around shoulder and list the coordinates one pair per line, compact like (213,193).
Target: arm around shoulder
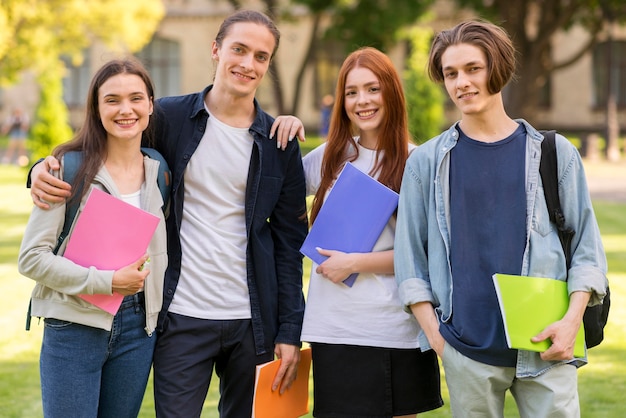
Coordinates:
(45,188)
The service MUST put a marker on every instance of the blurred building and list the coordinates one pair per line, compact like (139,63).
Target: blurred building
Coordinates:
(179,59)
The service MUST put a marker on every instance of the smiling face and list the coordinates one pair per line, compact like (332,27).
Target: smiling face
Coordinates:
(124,106)
(363,102)
(243,57)
(465,75)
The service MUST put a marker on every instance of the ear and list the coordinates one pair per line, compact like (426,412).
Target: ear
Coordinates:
(215,51)
(151,106)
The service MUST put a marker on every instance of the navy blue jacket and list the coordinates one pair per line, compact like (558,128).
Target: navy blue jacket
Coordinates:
(275,211)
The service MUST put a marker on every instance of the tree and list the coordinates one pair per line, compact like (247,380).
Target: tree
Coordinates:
(357,23)
(424,99)
(35,34)
(533,25)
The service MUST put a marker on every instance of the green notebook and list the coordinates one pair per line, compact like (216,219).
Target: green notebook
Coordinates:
(528,305)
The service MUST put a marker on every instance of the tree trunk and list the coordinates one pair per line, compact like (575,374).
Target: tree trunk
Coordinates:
(612,122)
(310,58)
(277,88)
(270,6)
(612,129)
(522,95)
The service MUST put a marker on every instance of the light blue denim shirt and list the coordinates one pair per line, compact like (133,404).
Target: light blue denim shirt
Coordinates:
(422,243)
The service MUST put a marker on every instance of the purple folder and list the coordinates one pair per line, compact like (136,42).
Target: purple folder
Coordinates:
(352,218)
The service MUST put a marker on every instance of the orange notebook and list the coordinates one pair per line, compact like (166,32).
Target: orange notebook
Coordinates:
(291,404)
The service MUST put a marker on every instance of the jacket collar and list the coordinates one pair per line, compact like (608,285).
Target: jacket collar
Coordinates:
(260,125)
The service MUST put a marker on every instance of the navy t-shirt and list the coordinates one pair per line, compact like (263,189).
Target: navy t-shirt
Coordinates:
(488,235)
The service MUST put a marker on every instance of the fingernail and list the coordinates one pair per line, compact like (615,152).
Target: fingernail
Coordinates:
(277,144)
(290,138)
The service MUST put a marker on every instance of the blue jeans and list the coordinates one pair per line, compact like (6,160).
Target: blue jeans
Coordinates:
(90,372)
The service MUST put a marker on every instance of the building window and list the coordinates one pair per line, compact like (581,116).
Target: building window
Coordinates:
(609,73)
(162,59)
(76,82)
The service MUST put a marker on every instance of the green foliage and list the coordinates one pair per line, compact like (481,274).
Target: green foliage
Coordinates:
(34,34)
(374,23)
(564,13)
(51,126)
(424,98)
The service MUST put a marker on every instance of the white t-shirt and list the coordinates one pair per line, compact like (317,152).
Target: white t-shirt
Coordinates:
(135,200)
(213,279)
(370,312)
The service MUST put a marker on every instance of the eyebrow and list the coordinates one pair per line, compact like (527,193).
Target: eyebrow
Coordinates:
(237,43)
(368,84)
(467,64)
(130,94)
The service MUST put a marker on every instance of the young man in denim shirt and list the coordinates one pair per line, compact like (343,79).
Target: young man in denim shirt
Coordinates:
(471,205)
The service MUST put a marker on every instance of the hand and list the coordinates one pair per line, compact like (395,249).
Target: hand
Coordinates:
(562,333)
(427,318)
(46,188)
(286,128)
(289,356)
(437,343)
(129,280)
(563,336)
(337,267)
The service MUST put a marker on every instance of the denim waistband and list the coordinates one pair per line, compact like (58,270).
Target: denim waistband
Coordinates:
(133,300)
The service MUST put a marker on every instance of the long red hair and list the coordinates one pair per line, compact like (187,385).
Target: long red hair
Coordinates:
(392,144)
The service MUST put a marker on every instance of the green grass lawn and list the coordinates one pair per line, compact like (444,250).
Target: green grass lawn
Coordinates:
(601,383)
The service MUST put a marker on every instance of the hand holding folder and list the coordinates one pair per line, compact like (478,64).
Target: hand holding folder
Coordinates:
(291,404)
(109,234)
(352,218)
(528,305)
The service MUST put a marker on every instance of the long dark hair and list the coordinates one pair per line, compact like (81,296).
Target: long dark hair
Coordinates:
(392,143)
(91,138)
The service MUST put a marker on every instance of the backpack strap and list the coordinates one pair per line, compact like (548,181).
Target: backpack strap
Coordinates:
(164,176)
(71,162)
(596,316)
(549,178)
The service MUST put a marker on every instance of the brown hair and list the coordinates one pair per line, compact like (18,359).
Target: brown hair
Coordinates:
(245,16)
(392,144)
(91,139)
(491,39)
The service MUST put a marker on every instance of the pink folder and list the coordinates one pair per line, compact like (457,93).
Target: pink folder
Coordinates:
(109,234)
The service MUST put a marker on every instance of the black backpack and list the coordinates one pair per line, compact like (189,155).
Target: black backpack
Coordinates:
(595,317)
